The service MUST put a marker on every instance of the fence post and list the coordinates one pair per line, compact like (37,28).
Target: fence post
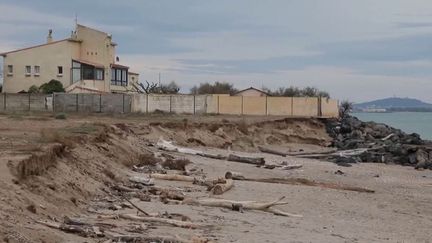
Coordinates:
(29,101)
(194,109)
(218,108)
(292,106)
(77,109)
(123,103)
(170,110)
(266,109)
(4,101)
(242,104)
(147,103)
(100,103)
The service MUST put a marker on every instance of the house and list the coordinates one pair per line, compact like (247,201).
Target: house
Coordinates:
(85,62)
(251,92)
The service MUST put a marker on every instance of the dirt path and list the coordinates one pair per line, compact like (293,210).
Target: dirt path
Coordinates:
(76,184)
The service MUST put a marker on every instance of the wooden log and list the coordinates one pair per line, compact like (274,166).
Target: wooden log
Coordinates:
(234,175)
(221,188)
(247,205)
(307,182)
(177,223)
(212,156)
(292,167)
(172,177)
(247,160)
(271,151)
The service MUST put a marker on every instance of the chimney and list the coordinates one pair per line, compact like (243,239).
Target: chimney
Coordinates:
(49,37)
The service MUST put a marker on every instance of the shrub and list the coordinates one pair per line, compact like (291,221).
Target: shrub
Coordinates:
(345,108)
(51,87)
(33,89)
(60,116)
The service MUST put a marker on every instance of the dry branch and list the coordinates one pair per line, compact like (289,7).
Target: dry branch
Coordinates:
(248,205)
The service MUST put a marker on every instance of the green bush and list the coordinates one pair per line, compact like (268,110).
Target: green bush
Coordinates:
(51,87)
(60,116)
(33,89)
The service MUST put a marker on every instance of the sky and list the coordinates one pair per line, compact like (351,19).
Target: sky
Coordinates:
(358,50)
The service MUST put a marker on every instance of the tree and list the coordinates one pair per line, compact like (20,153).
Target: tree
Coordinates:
(154,88)
(33,89)
(216,88)
(171,88)
(345,108)
(51,87)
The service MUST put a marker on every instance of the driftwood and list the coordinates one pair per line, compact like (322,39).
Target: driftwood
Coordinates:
(244,159)
(272,151)
(212,156)
(292,167)
(172,177)
(234,175)
(177,223)
(74,229)
(239,205)
(142,180)
(221,188)
(140,238)
(307,182)
(135,206)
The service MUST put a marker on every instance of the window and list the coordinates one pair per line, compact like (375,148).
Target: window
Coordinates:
(36,70)
(60,71)
(119,77)
(99,74)
(27,70)
(76,72)
(10,69)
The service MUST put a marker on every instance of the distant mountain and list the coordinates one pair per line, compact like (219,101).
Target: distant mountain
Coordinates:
(396,104)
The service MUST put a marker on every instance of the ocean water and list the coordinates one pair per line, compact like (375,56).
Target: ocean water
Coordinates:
(409,122)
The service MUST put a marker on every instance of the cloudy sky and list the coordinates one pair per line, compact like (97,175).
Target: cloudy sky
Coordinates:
(354,49)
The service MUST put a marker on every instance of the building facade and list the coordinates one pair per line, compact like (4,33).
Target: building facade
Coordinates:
(84,63)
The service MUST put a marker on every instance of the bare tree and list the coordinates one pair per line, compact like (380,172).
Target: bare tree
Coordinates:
(345,108)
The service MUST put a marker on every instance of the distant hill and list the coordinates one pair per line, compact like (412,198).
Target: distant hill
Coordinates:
(396,104)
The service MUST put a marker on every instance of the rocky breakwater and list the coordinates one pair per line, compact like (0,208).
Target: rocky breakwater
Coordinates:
(381,143)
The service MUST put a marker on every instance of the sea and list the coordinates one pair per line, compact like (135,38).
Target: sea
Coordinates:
(409,122)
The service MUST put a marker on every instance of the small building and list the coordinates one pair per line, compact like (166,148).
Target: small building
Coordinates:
(251,92)
(85,62)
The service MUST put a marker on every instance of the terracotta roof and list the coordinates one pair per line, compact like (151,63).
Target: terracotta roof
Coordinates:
(98,65)
(87,89)
(31,47)
(114,65)
(253,89)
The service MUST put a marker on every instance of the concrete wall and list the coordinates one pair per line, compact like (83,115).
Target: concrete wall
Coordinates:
(231,105)
(254,105)
(279,106)
(305,106)
(329,108)
(180,104)
(24,102)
